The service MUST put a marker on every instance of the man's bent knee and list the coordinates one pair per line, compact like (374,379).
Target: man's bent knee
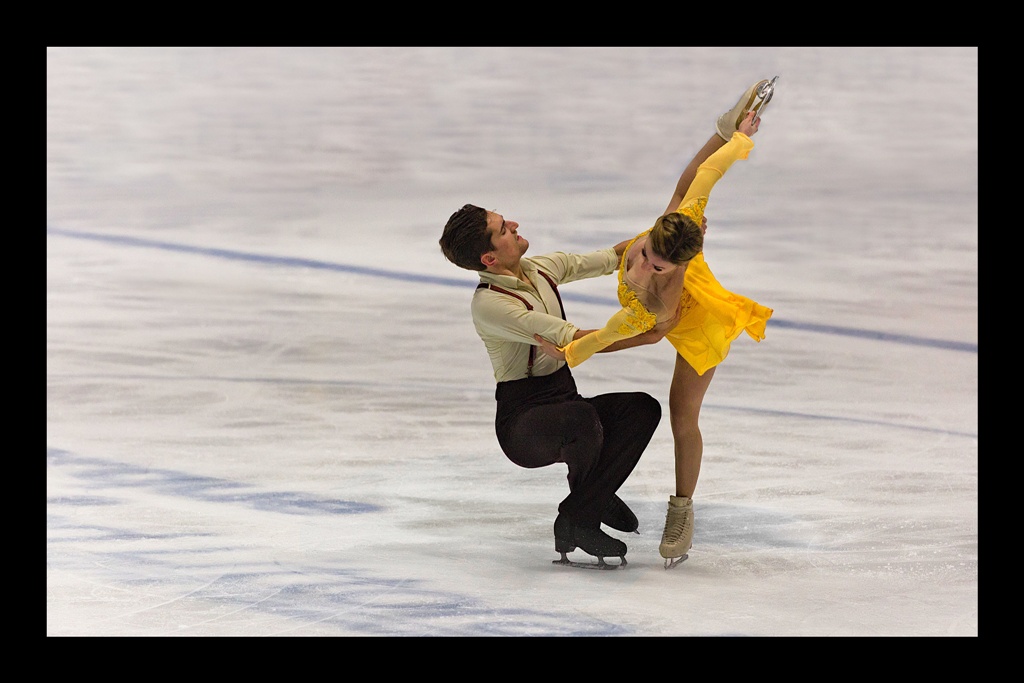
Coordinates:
(648,406)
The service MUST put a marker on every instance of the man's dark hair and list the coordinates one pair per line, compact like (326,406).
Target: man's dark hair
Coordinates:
(465,237)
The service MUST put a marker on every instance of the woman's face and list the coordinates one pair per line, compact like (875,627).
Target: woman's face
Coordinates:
(651,263)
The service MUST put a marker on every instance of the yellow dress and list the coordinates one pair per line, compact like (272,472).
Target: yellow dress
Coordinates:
(712,316)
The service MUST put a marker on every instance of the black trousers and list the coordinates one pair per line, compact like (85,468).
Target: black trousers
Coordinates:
(543,420)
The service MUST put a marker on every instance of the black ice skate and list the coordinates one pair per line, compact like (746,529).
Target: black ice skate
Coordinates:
(569,536)
(619,517)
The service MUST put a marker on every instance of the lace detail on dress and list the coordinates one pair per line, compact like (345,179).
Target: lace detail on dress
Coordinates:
(695,209)
(640,319)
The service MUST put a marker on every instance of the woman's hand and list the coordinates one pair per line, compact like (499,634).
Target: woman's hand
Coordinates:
(750,123)
(549,348)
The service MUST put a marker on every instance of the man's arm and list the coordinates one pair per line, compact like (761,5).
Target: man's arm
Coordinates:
(570,267)
(499,317)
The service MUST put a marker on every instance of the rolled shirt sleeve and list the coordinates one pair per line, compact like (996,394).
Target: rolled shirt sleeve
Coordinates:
(507,327)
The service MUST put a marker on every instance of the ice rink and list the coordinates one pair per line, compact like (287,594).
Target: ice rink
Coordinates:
(268,413)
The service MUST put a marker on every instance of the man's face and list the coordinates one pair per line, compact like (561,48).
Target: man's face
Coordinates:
(507,246)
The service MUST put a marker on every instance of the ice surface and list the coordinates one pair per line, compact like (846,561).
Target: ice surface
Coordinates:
(268,412)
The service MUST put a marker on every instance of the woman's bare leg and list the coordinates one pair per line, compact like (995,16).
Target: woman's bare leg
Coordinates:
(685,398)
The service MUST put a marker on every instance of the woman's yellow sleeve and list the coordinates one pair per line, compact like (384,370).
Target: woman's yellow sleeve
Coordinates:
(623,325)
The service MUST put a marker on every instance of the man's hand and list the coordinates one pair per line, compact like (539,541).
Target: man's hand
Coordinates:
(549,348)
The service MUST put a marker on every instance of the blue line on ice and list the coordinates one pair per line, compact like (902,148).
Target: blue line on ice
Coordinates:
(463,283)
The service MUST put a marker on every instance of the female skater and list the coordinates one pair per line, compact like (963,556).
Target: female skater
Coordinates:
(665,285)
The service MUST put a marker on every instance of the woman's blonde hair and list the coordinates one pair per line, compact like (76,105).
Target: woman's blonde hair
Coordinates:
(676,238)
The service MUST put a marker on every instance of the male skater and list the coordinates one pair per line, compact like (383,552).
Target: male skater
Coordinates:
(541,419)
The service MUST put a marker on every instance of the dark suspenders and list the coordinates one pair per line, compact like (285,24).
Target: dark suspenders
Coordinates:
(551,281)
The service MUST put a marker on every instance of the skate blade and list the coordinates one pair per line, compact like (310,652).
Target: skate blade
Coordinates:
(600,564)
(673,561)
(764,93)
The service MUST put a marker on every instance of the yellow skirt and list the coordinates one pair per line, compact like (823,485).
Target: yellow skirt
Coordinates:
(712,318)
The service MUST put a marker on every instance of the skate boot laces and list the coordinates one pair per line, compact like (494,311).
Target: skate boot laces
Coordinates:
(675,524)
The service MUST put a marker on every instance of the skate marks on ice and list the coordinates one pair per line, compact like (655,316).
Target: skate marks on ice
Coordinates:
(108,474)
(173,565)
(756,540)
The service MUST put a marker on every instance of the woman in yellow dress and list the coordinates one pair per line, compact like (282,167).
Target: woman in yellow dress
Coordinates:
(665,285)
